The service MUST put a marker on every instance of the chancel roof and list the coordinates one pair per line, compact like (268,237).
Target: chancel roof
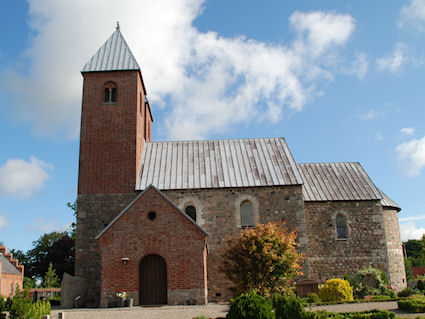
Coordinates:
(113,55)
(340,181)
(7,267)
(218,164)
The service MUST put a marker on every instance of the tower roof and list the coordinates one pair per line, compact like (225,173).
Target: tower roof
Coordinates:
(113,55)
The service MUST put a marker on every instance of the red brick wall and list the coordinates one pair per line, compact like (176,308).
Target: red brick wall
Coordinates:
(111,141)
(169,235)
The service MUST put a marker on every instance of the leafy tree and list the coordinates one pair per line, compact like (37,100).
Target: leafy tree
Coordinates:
(263,259)
(50,279)
(74,207)
(22,259)
(29,283)
(39,257)
(62,255)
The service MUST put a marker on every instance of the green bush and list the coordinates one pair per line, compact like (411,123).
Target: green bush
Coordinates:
(22,307)
(420,285)
(312,297)
(407,292)
(336,290)
(373,314)
(381,282)
(288,306)
(250,306)
(414,303)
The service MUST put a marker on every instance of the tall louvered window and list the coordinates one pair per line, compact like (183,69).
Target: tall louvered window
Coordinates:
(191,211)
(247,216)
(340,227)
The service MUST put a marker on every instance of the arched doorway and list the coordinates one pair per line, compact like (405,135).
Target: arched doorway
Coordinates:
(153,280)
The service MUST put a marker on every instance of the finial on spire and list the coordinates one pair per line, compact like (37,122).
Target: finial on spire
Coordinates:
(118,25)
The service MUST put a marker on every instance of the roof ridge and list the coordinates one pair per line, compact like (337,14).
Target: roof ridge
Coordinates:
(216,140)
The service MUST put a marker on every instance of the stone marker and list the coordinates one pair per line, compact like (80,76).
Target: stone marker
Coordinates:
(71,288)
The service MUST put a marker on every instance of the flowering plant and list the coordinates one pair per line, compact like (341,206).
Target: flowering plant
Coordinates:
(121,295)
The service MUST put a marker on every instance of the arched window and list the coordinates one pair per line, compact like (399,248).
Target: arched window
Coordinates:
(110,93)
(247,217)
(340,227)
(191,212)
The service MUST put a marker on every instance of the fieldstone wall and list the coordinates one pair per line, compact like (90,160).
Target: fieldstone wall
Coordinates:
(218,209)
(396,270)
(95,212)
(364,246)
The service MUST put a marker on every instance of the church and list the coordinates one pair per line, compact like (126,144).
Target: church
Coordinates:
(153,216)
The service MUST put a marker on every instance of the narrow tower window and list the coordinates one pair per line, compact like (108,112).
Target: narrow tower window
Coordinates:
(340,227)
(106,95)
(110,93)
(247,217)
(191,211)
(114,95)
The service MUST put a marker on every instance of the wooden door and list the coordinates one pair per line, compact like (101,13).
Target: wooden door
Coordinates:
(153,280)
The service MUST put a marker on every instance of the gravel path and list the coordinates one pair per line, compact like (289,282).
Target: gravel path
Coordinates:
(164,312)
(210,311)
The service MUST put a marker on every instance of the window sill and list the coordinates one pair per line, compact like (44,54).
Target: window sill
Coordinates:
(109,103)
(342,239)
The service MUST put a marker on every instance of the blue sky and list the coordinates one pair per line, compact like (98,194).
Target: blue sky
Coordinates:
(340,80)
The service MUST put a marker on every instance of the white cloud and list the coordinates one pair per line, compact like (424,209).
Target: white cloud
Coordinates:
(3,222)
(372,114)
(410,231)
(405,219)
(22,178)
(320,30)
(40,225)
(408,130)
(411,155)
(394,61)
(212,82)
(359,66)
(413,15)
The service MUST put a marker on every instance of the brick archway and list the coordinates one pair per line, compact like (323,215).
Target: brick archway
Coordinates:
(153,280)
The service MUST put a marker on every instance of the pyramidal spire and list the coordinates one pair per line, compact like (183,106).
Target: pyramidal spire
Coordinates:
(113,55)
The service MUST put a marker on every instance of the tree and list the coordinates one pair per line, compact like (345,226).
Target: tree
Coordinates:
(50,279)
(74,207)
(22,259)
(39,257)
(263,259)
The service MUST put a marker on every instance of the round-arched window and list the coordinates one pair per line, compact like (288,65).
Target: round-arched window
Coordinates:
(191,212)
(247,216)
(340,227)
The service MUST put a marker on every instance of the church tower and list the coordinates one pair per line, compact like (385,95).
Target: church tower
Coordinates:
(115,124)
(115,120)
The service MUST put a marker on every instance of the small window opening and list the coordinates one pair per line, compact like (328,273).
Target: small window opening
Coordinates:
(106,95)
(152,215)
(247,217)
(114,95)
(340,227)
(191,212)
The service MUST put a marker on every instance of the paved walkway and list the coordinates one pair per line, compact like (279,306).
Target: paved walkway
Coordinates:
(210,311)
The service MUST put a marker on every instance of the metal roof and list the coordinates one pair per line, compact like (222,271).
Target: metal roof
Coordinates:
(337,181)
(113,55)
(7,267)
(388,202)
(218,164)
(135,200)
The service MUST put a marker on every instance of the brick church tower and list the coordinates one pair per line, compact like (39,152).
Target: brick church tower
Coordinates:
(115,123)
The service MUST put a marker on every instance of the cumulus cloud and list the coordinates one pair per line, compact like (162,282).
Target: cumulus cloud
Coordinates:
(411,231)
(40,225)
(411,155)
(3,222)
(22,179)
(408,130)
(413,15)
(393,61)
(206,83)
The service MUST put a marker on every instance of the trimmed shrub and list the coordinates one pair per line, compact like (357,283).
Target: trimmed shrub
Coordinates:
(288,306)
(373,314)
(336,290)
(312,297)
(250,306)
(407,292)
(413,304)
